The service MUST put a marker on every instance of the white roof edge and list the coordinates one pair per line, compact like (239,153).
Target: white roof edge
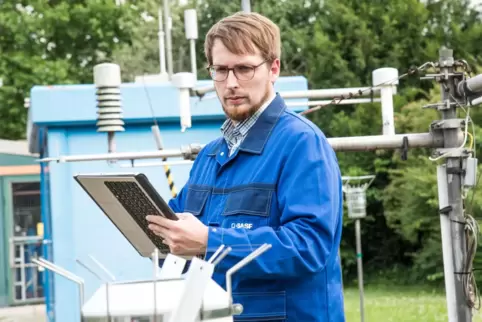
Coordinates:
(16,147)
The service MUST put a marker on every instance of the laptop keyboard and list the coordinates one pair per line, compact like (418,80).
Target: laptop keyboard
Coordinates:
(138,206)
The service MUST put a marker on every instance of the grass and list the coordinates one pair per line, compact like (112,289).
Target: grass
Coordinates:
(398,304)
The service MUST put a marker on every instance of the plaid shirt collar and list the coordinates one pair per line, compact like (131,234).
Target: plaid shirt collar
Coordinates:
(234,134)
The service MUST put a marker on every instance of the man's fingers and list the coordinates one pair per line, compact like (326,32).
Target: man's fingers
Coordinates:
(159,220)
(159,230)
(166,239)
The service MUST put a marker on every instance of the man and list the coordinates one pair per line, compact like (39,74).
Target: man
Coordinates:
(271,178)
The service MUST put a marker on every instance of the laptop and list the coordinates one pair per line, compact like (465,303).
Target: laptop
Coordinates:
(126,199)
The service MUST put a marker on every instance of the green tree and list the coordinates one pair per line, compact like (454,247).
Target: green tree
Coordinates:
(54,42)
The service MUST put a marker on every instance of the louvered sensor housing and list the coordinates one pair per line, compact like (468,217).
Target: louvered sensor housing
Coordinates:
(107,79)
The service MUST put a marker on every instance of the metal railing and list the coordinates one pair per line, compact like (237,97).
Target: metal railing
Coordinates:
(27,286)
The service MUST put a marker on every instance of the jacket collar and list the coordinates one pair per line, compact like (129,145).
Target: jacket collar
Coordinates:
(259,133)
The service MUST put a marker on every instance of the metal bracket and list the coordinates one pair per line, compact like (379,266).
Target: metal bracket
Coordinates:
(441,105)
(191,151)
(442,76)
(447,124)
(405,147)
(445,210)
(235,309)
(451,152)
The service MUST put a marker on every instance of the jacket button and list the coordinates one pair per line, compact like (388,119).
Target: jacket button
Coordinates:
(222,153)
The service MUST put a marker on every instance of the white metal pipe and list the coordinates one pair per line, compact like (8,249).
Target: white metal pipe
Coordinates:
(387,79)
(201,91)
(331,92)
(245,261)
(246,5)
(162,46)
(168,33)
(157,164)
(326,102)
(447,251)
(192,44)
(117,156)
(388,120)
(381,142)
(352,143)
(191,30)
(313,93)
(471,86)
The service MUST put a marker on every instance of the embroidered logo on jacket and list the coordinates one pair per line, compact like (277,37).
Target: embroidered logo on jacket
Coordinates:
(242,225)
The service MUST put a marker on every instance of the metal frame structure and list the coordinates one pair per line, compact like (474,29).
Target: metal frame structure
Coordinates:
(20,266)
(194,296)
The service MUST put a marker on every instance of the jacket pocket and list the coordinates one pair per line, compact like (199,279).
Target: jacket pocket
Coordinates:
(252,199)
(261,306)
(196,198)
(247,207)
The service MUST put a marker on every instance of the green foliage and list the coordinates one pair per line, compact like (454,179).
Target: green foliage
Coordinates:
(53,42)
(334,43)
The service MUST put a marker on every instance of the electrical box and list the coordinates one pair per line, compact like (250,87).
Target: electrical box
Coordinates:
(470,167)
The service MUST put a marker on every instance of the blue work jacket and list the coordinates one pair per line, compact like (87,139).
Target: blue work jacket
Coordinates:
(281,187)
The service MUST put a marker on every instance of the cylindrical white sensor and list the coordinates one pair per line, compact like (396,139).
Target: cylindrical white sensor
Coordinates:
(184,82)
(190,24)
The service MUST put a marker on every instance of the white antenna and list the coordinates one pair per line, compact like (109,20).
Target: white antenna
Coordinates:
(168,27)
(190,25)
(246,5)
(162,47)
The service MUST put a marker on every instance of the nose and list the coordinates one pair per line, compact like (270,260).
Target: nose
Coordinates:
(231,80)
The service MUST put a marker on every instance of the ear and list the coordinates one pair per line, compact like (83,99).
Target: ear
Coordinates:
(275,69)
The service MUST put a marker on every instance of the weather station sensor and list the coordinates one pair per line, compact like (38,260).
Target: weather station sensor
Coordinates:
(184,82)
(107,80)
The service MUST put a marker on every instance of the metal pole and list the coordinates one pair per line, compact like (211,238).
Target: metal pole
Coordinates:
(246,5)
(454,169)
(162,47)
(326,103)
(447,252)
(359,261)
(380,142)
(387,79)
(168,24)
(330,93)
(192,48)
(354,143)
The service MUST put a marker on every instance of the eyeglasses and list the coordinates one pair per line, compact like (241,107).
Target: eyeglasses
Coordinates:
(241,72)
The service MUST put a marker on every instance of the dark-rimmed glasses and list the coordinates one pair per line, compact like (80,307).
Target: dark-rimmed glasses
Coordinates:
(242,72)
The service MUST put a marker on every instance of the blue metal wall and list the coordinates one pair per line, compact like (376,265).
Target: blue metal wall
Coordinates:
(62,122)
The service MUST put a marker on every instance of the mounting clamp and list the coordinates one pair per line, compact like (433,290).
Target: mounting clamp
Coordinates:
(447,124)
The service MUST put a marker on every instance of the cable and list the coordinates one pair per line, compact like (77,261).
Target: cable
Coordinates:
(471,141)
(470,286)
(167,169)
(411,71)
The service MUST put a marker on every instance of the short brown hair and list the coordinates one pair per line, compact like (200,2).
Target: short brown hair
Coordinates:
(242,31)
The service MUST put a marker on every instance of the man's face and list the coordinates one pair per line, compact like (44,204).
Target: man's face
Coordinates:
(242,97)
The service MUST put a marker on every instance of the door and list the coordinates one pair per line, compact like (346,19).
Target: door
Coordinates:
(22,203)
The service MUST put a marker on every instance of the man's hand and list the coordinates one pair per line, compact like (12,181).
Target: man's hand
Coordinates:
(186,236)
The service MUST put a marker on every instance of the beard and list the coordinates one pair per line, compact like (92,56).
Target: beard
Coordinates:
(245,109)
